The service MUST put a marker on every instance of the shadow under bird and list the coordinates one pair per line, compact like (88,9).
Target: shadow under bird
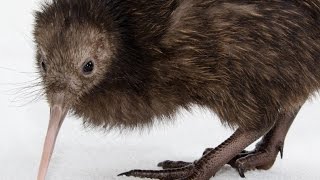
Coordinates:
(124,63)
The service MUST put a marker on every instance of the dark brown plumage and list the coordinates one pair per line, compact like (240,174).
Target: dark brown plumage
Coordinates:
(252,62)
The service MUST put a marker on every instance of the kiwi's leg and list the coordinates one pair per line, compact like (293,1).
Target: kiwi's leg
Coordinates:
(208,164)
(266,151)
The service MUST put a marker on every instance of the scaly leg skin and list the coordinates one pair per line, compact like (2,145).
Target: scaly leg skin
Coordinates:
(178,164)
(210,163)
(265,153)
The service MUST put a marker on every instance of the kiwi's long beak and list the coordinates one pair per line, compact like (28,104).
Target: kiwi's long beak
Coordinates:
(57,114)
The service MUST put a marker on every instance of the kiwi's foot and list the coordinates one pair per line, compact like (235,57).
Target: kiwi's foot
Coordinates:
(207,166)
(245,161)
(258,159)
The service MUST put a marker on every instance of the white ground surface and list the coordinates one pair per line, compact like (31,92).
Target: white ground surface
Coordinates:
(84,154)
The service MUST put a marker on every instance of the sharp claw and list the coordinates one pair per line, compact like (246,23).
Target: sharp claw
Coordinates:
(122,174)
(126,173)
(241,171)
(162,164)
(244,152)
(207,150)
(281,151)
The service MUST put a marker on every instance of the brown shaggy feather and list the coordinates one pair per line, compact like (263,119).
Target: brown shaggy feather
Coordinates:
(246,60)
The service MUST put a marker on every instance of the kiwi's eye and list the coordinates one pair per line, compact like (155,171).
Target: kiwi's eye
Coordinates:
(88,67)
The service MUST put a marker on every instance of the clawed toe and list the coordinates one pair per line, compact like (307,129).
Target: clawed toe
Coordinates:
(173,164)
(241,170)
(167,174)
(262,159)
(178,164)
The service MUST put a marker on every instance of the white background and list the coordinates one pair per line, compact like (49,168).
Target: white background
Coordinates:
(90,154)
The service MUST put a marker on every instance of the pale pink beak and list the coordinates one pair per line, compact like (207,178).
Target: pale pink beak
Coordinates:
(57,115)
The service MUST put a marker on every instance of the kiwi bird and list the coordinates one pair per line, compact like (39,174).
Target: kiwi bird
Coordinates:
(126,63)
